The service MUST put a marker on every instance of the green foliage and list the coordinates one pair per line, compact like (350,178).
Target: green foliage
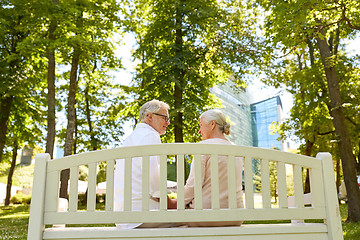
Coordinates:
(185,48)
(295,64)
(23,175)
(20,198)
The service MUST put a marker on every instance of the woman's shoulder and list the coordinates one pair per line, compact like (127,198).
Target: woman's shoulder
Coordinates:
(215,141)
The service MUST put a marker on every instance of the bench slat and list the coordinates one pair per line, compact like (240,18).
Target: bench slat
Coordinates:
(190,215)
(298,186)
(247,231)
(163,184)
(281,182)
(109,201)
(232,182)
(91,195)
(52,193)
(215,200)
(248,174)
(73,194)
(145,183)
(316,188)
(127,184)
(265,184)
(198,182)
(189,148)
(180,166)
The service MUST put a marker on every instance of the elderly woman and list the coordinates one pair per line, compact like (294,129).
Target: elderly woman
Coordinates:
(213,128)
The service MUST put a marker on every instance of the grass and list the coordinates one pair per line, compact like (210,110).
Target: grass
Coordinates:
(23,175)
(14,222)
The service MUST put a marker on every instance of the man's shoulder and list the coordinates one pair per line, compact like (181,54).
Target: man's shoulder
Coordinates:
(142,136)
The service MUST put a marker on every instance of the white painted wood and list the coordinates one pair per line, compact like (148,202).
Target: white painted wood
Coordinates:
(188,215)
(323,200)
(168,149)
(36,219)
(109,200)
(215,201)
(232,182)
(298,187)
(91,195)
(163,184)
(333,219)
(52,190)
(127,184)
(180,175)
(281,183)
(249,185)
(73,193)
(247,232)
(265,183)
(317,187)
(145,183)
(198,182)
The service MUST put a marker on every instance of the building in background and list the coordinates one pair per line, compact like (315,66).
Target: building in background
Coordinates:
(250,121)
(236,108)
(263,114)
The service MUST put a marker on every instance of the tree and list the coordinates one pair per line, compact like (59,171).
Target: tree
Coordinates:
(19,63)
(26,120)
(89,25)
(327,23)
(51,116)
(185,48)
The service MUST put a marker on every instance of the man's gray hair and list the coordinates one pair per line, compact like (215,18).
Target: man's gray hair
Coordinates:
(220,119)
(152,106)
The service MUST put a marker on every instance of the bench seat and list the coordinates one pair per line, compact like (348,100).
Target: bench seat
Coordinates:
(286,231)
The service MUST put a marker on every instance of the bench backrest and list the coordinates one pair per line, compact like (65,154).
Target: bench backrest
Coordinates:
(256,162)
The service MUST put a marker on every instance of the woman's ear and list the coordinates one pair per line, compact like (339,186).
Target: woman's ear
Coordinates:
(213,124)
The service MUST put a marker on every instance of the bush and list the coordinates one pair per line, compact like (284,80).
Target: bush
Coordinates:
(20,198)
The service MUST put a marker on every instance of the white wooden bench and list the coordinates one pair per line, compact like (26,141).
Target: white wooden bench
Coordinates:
(46,215)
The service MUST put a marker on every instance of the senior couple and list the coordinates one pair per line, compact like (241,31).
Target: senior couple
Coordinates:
(154,119)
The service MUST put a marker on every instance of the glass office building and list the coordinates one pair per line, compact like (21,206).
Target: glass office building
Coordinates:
(263,114)
(236,108)
(250,121)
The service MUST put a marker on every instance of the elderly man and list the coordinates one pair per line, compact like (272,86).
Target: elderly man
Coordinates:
(154,118)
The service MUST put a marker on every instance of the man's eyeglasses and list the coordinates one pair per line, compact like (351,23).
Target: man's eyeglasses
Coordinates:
(166,118)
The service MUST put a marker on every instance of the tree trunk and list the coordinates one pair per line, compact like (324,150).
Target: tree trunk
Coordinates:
(179,84)
(5,106)
(50,139)
(345,148)
(88,118)
(75,135)
(11,173)
(71,119)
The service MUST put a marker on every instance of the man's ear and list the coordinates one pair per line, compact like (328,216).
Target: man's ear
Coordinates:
(149,117)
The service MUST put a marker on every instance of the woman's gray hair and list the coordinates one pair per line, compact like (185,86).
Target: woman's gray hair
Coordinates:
(219,118)
(152,106)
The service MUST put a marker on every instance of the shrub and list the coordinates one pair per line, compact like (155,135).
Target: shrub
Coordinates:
(20,198)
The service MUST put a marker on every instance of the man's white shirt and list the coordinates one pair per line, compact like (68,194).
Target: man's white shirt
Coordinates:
(142,135)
